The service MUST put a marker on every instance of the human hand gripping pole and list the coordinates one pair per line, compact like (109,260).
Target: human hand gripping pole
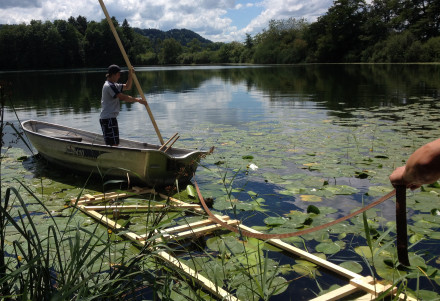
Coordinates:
(130,67)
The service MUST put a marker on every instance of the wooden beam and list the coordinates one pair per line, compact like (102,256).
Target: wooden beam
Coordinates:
(186,227)
(174,200)
(202,280)
(310,257)
(140,207)
(355,279)
(341,292)
(87,198)
(197,231)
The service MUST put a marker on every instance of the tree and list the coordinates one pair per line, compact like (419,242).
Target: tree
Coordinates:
(249,42)
(171,49)
(275,44)
(194,46)
(337,32)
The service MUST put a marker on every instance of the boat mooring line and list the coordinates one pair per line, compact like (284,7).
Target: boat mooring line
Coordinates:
(291,234)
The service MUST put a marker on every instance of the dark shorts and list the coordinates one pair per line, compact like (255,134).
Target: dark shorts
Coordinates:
(110,131)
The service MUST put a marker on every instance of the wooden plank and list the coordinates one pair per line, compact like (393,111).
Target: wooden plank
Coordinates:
(379,289)
(310,257)
(109,223)
(186,227)
(355,279)
(341,292)
(198,231)
(89,197)
(205,282)
(374,290)
(139,207)
(111,195)
(176,201)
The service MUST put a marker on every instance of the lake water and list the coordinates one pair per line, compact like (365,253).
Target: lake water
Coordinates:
(342,125)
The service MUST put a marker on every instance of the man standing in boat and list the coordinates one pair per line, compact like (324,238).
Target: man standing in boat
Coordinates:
(110,106)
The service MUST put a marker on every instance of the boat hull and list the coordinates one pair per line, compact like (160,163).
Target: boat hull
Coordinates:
(85,152)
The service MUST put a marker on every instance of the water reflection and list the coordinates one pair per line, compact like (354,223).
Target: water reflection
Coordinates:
(182,96)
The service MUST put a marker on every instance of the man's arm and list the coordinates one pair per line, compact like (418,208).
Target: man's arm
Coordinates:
(129,82)
(422,167)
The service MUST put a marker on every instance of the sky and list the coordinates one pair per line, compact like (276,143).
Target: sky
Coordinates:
(215,20)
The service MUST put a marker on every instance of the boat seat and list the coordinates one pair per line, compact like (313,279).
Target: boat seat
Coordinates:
(78,139)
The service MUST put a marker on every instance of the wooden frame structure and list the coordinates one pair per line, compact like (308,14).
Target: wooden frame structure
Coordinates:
(356,283)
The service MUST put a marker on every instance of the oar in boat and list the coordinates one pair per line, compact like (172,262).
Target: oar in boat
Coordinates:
(127,61)
(168,141)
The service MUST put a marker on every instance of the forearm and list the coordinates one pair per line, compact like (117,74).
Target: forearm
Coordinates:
(422,167)
(129,82)
(424,164)
(127,98)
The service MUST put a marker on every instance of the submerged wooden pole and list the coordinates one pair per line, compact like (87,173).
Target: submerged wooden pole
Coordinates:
(127,62)
(401,228)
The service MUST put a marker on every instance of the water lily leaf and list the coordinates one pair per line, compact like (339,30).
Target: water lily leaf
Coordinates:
(422,294)
(376,191)
(305,270)
(353,266)
(228,244)
(293,191)
(310,198)
(328,248)
(364,251)
(341,189)
(274,221)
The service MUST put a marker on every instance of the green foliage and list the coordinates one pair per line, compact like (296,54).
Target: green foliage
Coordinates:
(45,261)
(350,31)
(171,49)
(281,43)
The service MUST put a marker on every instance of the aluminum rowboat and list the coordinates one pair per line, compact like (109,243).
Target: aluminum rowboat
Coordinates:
(86,152)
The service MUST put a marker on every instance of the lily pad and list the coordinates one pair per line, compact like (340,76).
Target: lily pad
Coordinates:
(310,198)
(353,266)
(274,221)
(328,248)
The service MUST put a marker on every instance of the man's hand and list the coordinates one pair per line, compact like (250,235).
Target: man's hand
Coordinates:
(141,101)
(399,178)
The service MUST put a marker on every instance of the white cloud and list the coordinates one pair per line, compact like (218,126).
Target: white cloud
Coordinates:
(206,17)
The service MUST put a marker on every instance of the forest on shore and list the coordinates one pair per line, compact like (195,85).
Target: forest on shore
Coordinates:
(384,31)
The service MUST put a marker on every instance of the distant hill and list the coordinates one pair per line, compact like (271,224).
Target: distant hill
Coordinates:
(183,36)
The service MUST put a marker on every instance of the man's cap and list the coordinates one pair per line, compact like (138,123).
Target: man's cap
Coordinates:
(113,69)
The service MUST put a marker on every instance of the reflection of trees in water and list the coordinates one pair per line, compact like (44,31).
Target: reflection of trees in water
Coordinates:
(337,86)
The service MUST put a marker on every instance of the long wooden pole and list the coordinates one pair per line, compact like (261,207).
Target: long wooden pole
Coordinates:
(127,62)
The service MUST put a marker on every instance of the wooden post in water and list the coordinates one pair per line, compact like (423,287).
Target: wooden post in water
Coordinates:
(127,61)
(401,228)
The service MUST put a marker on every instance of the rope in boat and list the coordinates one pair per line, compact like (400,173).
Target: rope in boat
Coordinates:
(291,234)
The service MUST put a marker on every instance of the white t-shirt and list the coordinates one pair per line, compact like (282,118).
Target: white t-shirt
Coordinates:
(109,102)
